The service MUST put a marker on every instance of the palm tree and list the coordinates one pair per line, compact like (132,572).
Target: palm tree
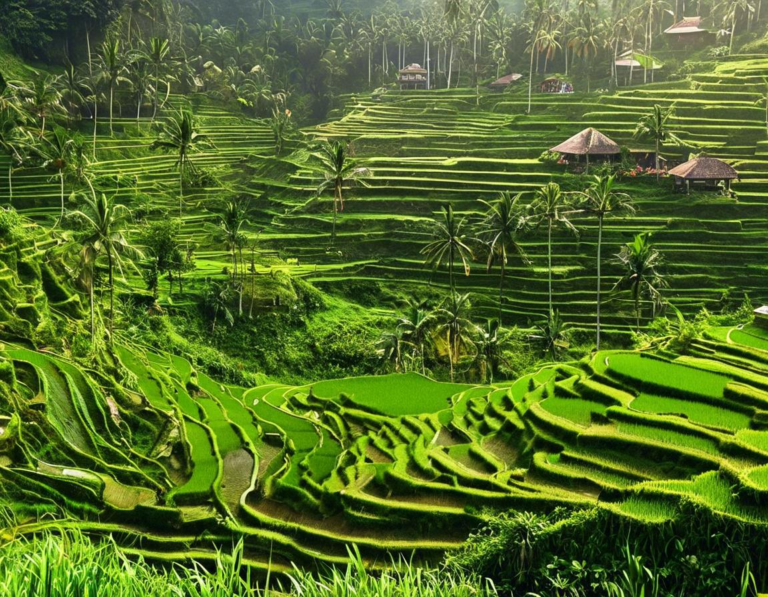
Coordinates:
(338,169)
(141,83)
(585,42)
(641,260)
(55,150)
(414,327)
(554,207)
(178,135)
(500,230)
(13,140)
(158,56)
(43,99)
(104,224)
(111,68)
(601,200)
(231,224)
(70,86)
(450,244)
(217,298)
(553,335)
(656,126)
(732,9)
(489,344)
(390,350)
(453,320)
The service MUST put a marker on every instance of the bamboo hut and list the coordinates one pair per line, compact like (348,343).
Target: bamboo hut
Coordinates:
(689,32)
(705,174)
(414,76)
(590,144)
(504,82)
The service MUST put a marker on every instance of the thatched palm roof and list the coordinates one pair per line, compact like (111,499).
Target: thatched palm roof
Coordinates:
(414,69)
(689,25)
(704,168)
(508,80)
(588,142)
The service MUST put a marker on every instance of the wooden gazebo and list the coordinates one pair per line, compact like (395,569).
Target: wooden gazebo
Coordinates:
(704,173)
(591,144)
(688,32)
(504,82)
(414,76)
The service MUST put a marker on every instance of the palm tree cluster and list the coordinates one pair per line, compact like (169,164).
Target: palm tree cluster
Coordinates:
(498,235)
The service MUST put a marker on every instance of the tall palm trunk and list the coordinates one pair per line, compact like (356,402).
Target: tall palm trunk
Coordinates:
(549,258)
(95,123)
(450,352)
(111,103)
(138,109)
(157,91)
(90,298)
(658,148)
(10,181)
(599,273)
(181,189)
(61,185)
(111,294)
(530,83)
(637,305)
(501,289)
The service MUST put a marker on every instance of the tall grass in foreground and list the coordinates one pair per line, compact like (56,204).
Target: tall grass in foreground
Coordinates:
(71,565)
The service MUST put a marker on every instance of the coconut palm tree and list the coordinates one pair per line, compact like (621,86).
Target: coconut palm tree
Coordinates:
(158,55)
(449,245)
(55,150)
(500,230)
(452,319)
(601,199)
(178,135)
(217,298)
(70,86)
(141,83)
(656,126)
(111,66)
(231,223)
(43,99)
(103,224)
(489,345)
(415,328)
(552,207)
(14,139)
(552,334)
(389,347)
(338,170)
(641,261)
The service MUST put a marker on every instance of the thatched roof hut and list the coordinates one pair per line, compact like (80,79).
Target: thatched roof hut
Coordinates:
(588,142)
(414,76)
(506,81)
(705,173)
(689,31)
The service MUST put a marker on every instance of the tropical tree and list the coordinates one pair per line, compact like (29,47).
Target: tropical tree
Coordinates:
(490,341)
(389,347)
(55,150)
(70,86)
(415,328)
(13,141)
(231,223)
(452,319)
(552,334)
(553,208)
(141,83)
(158,55)
(338,170)
(178,135)
(656,126)
(111,66)
(602,200)
(500,230)
(217,299)
(449,244)
(280,123)
(104,223)
(43,99)
(641,261)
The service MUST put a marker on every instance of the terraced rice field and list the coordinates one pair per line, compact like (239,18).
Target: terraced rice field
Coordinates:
(174,464)
(427,149)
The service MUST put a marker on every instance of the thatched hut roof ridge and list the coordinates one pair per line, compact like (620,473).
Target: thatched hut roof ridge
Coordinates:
(689,25)
(588,142)
(507,80)
(705,168)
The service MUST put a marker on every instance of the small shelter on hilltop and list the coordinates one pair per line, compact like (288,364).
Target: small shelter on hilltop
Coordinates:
(414,76)
(705,174)
(689,32)
(761,317)
(504,82)
(556,85)
(630,63)
(590,144)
